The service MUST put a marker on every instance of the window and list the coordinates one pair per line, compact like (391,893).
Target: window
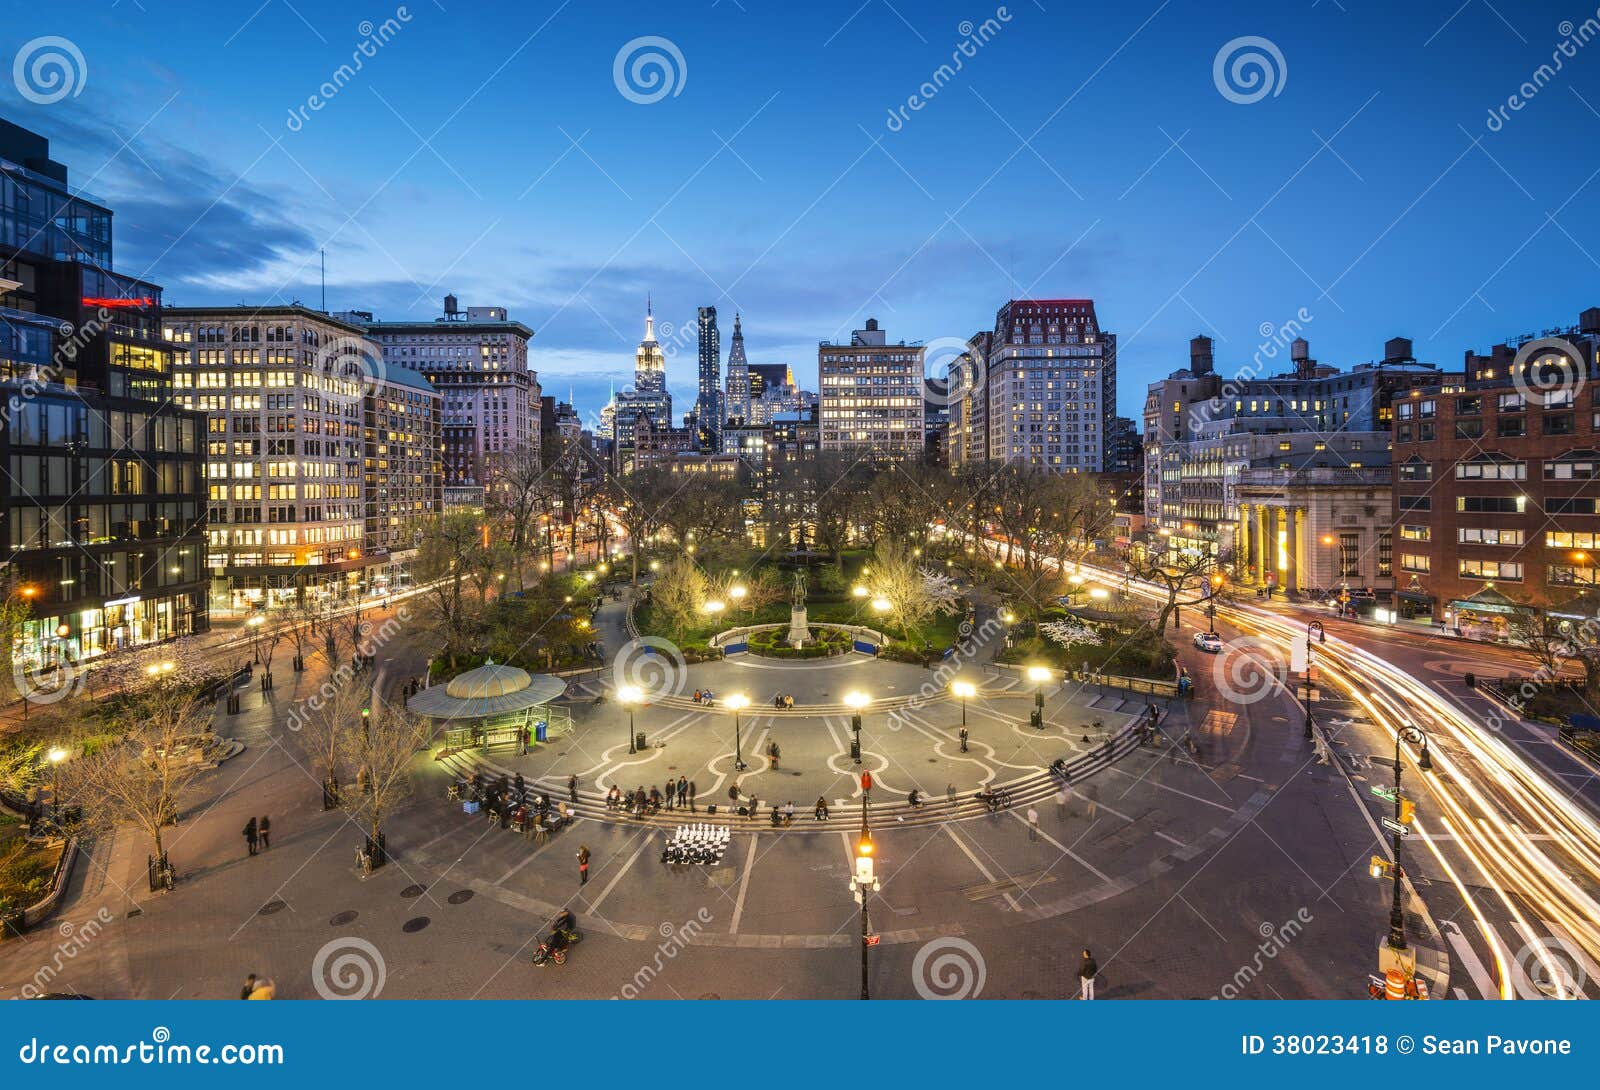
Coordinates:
(1416,503)
(1469,406)
(1512,403)
(1475,535)
(1417,562)
(1491,505)
(1410,532)
(1469,429)
(1572,575)
(1571,539)
(1511,427)
(1349,555)
(1385,555)
(1415,469)
(1507,570)
(1491,467)
(1558,424)
(1569,505)
(1575,465)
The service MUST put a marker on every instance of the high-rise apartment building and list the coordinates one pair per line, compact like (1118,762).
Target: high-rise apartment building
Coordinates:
(282,389)
(870,394)
(708,405)
(478,361)
(402,475)
(102,505)
(648,399)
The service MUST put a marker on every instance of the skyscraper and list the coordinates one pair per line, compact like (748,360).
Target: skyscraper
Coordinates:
(871,394)
(708,407)
(738,407)
(649,396)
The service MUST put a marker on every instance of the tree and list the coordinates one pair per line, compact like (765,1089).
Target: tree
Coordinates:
(911,593)
(323,721)
(636,500)
(1549,639)
(450,549)
(380,752)
(679,592)
(1070,632)
(517,497)
(838,491)
(1175,571)
(139,773)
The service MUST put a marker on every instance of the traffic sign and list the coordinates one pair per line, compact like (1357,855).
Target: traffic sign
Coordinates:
(1395,827)
(1385,793)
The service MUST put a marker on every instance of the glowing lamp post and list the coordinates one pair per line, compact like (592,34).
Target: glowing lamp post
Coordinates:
(856,700)
(965,690)
(630,696)
(1038,675)
(738,702)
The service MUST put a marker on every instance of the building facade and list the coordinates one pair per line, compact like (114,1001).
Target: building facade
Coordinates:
(282,389)
(1497,484)
(402,473)
(870,395)
(478,361)
(708,410)
(649,398)
(103,499)
(736,401)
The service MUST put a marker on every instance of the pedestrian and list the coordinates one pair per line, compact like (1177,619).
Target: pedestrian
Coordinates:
(1088,968)
(963,739)
(522,740)
(1033,824)
(572,788)
(264,831)
(683,792)
(773,752)
(583,867)
(733,797)
(249,986)
(693,791)
(251,834)
(264,989)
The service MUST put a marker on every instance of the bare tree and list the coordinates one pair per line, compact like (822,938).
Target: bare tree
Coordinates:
(138,775)
(449,551)
(1549,639)
(518,497)
(1178,572)
(323,721)
(381,752)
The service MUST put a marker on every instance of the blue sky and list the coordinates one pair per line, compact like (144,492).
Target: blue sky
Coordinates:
(1082,150)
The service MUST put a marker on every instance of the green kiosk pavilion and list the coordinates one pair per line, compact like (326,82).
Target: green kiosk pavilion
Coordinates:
(492,704)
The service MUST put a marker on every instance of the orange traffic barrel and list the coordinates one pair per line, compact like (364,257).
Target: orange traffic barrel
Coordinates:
(1394,984)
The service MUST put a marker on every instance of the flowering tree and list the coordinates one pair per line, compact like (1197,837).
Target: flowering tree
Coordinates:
(909,593)
(1069,633)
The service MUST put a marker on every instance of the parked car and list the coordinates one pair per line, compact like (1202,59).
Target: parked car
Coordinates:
(1208,641)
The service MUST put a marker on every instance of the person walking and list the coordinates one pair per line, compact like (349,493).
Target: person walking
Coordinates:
(1088,969)
(251,834)
(733,799)
(963,737)
(683,792)
(693,791)
(583,867)
(774,753)
(249,986)
(264,831)
(1033,824)
(572,788)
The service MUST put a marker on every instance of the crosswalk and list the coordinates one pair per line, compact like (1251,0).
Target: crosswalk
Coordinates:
(1537,959)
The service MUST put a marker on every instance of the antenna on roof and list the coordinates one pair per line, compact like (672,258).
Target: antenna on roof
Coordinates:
(324,254)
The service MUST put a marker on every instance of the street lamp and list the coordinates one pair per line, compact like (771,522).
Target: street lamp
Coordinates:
(630,695)
(1313,628)
(964,690)
(1211,603)
(859,591)
(1403,812)
(255,624)
(1038,675)
(864,881)
(737,701)
(737,593)
(856,700)
(55,756)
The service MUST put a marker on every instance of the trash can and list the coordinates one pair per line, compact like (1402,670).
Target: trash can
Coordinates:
(541,731)
(638,740)
(1471,680)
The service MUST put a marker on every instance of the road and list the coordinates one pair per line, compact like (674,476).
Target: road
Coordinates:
(1505,847)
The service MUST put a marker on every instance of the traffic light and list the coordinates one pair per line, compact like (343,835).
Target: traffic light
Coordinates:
(1378,867)
(1408,811)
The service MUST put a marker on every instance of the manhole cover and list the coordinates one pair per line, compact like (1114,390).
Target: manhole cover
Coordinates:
(460,897)
(412,926)
(270,907)
(339,919)
(413,891)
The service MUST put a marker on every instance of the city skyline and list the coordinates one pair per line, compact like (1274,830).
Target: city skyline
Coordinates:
(1148,185)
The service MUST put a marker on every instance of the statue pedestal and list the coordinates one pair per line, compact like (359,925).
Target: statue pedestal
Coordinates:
(798,631)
